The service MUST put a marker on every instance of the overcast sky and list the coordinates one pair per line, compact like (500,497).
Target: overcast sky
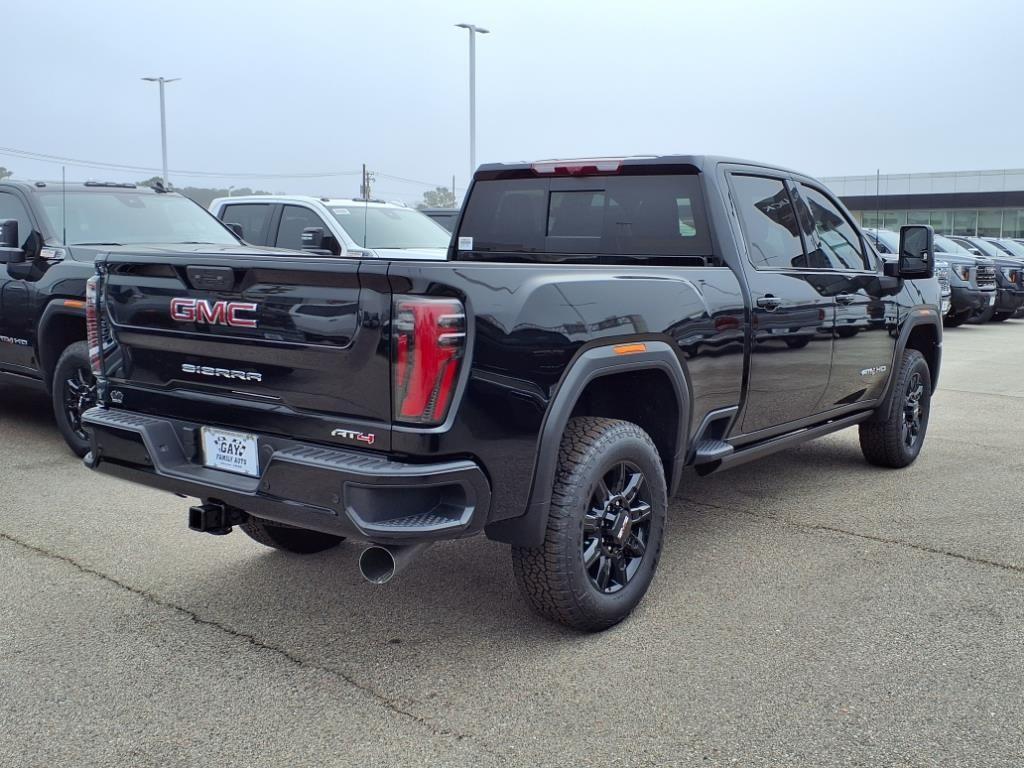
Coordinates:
(311,86)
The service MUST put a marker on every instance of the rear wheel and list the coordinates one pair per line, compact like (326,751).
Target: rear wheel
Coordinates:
(893,436)
(302,541)
(605,527)
(74,392)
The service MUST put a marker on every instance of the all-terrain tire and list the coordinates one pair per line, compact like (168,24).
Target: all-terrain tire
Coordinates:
(301,541)
(955,321)
(884,437)
(553,577)
(983,316)
(73,391)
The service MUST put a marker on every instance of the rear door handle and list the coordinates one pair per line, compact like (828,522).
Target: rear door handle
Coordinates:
(769,302)
(846,298)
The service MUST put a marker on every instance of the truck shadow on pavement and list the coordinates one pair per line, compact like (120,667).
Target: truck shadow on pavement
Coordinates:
(456,592)
(26,405)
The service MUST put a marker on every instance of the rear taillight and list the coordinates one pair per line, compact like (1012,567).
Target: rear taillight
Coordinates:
(92,324)
(428,342)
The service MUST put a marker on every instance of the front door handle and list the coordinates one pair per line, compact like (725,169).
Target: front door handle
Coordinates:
(846,298)
(769,302)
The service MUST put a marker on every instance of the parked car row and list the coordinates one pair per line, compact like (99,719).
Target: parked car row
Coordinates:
(313,369)
(986,275)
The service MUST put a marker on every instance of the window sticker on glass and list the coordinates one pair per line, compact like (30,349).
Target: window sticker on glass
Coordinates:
(465,243)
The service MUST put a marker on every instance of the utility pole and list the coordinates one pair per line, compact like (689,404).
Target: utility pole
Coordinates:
(454,197)
(366,187)
(473,30)
(163,121)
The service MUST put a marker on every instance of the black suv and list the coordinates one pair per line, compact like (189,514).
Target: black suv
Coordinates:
(49,236)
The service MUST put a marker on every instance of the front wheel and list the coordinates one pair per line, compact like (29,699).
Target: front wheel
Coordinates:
(74,392)
(956,320)
(605,527)
(893,436)
(983,316)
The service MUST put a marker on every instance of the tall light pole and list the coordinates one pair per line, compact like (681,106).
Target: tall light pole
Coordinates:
(473,30)
(163,119)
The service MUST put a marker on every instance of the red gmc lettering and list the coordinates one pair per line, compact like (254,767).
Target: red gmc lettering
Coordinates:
(213,313)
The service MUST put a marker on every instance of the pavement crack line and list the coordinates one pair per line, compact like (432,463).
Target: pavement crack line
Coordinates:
(387,702)
(865,536)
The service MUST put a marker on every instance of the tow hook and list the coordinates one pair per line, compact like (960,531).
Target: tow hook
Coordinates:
(215,517)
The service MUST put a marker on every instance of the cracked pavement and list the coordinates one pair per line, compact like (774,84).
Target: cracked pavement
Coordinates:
(808,610)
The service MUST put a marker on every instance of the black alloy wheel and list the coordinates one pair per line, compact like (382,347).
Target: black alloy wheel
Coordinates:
(914,412)
(79,396)
(617,527)
(605,527)
(895,433)
(73,389)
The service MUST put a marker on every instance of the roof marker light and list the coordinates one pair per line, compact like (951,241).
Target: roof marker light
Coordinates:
(581,167)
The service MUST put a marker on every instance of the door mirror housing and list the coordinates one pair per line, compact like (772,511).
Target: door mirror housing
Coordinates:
(320,241)
(917,252)
(9,233)
(11,251)
(313,239)
(237,229)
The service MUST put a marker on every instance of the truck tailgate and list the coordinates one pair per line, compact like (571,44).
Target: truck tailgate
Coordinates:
(306,338)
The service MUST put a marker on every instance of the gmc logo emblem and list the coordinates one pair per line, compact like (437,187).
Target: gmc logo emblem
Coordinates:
(213,312)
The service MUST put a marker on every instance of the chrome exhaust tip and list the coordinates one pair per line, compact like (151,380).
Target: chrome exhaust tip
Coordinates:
(378,563)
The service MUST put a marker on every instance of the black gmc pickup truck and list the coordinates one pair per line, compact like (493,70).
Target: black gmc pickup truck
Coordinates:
(598,327)
(49,236)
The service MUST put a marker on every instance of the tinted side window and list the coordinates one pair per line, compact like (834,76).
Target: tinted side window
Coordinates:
(294,219)
(12,208)
(252,216)
(769,223)
(832,241)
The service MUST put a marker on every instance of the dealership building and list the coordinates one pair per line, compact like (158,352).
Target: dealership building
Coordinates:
(984,203)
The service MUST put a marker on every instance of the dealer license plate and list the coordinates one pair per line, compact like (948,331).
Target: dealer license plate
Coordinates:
(231,451)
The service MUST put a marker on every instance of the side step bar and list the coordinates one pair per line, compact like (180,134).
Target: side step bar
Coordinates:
(738,456)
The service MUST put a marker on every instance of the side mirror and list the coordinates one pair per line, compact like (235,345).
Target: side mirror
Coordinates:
(917,252)
(318,240)
(9,233)
(11,251)
(313,239)
(237,229)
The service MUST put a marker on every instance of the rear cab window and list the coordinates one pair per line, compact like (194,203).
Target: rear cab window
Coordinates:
(636,214)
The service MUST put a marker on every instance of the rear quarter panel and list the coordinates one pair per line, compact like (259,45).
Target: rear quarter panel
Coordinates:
(528,323)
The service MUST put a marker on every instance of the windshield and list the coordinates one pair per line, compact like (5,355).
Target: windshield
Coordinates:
(945,245)
(377,227)
(987,248)
(130,217)
(1015,249)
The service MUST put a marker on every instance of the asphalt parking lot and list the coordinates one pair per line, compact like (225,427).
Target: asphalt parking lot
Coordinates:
(809,611)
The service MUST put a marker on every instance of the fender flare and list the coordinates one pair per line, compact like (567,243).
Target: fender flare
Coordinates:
(55,308)
(919,316)
(591,364)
